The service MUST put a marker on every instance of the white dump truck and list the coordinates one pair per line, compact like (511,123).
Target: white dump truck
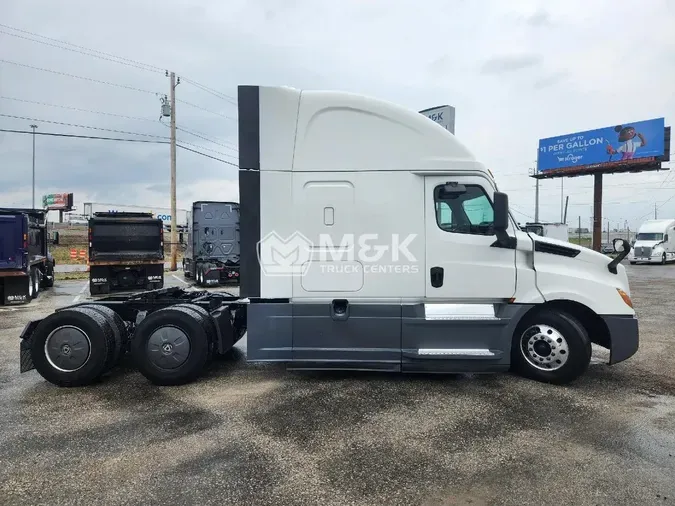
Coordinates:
(654,243)
(371,238)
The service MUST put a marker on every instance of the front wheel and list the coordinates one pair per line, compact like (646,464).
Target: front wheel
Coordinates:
(552,347)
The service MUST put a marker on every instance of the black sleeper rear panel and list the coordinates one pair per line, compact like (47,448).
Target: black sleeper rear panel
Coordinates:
(249,189)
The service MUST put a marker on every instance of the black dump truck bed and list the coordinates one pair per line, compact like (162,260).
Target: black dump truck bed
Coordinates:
(212,252)
(125,236)
(126,251)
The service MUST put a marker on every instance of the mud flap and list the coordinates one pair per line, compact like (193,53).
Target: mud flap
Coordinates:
(26,358)
(16,290)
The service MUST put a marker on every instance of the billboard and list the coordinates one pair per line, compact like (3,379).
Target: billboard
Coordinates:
(444,115)
(636,142)
(163,214)
(58,201)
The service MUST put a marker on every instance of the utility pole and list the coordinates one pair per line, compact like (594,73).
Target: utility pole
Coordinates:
(536,195)
(174,232)
(655,209)
(33,127)
(561,201)
(579,230)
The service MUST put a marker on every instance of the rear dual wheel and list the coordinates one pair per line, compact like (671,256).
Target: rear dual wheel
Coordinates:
(173,345)
(76,346)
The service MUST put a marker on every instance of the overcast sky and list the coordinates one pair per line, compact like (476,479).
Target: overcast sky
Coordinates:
(516,71)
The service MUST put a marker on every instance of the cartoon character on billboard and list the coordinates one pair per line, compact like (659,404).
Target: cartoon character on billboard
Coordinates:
(629,139)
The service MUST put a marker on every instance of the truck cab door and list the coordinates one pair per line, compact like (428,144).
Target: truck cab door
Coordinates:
(464,260)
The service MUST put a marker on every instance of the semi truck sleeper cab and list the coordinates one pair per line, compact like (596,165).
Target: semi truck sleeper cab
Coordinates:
(370,239)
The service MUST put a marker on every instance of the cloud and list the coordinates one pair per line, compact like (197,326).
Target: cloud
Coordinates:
(510,63)
(550,80)
(418,54)
(538,19)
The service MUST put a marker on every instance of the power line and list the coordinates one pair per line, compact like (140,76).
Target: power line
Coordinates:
(206,149)
(520,212)
(83,126)
(51,134)
(78,109)
(81,50)
(94,137)
(213,92)
(196,134)
(207,156)
(90,79)
(203,109)
(108,57)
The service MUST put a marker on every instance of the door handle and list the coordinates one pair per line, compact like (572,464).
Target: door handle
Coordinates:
(436,275)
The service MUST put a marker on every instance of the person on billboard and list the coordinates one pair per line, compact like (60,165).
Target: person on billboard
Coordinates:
(628,141)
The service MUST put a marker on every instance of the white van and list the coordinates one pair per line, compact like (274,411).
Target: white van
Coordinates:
(655,242)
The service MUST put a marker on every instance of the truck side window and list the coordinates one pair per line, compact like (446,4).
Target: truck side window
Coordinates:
(470,212)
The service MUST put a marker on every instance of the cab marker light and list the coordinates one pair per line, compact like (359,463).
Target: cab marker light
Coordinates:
(625,297)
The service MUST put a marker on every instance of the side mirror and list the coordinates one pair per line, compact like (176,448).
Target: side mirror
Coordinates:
(501,205)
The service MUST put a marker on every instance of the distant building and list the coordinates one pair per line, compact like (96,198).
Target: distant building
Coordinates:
(581,231)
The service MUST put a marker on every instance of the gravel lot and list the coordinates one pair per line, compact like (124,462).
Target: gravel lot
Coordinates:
(261,435)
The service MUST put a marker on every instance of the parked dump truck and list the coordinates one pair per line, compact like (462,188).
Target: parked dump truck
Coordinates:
(212,252)
(371,239)
(26,265)
(126,252)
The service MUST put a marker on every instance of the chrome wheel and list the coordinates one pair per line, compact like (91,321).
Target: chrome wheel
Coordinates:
(31,284)
(544,347)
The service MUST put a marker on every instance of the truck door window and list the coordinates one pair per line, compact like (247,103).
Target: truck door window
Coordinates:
(470,212)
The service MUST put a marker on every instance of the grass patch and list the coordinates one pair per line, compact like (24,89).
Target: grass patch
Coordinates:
(66,276)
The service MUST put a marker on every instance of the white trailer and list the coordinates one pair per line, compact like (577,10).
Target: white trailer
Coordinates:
(162,213)
(654,243)
(557,231)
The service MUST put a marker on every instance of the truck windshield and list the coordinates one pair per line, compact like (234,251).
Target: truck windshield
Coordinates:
(648,236)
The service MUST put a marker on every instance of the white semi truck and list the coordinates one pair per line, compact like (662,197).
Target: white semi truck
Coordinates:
(654,243)
(371,239)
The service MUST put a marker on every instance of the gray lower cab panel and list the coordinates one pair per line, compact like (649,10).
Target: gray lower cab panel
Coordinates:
(392,337)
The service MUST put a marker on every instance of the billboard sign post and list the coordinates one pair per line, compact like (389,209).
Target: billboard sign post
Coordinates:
(629,143)
(444,115)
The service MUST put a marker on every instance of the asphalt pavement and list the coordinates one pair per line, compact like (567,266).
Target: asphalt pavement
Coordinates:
(247,434)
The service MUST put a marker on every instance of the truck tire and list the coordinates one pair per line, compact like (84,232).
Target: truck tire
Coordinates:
(31,286)
(199,275)
(207,322)
(119,331)
(551,346)
(73,347)
(170,346)
(35,279)
(48,278)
